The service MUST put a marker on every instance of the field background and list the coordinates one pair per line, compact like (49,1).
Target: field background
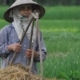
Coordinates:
(61,32)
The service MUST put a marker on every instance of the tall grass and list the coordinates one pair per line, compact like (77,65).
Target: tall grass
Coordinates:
(63,65)
(62,38)
(55,12)
(63,56)
(2,10)
(60,25)
(62,12)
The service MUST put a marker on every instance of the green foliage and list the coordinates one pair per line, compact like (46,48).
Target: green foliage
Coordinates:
(59,2)
(62,12)
(2,10)
(75,75)
(56,12)
(63,45)
(47,2)
(3,23)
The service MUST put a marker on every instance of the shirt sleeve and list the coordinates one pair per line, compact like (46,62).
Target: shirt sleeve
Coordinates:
(43,50)
(3,42)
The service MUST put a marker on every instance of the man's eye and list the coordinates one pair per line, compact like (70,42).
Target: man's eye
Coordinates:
(29,7)
(22,8)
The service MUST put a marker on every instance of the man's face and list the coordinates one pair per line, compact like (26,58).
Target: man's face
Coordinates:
(25,10)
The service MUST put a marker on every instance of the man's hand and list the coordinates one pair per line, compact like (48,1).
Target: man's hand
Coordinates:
(29,53)
(14,47)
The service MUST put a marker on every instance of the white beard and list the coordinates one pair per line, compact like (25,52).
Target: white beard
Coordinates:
(20,24)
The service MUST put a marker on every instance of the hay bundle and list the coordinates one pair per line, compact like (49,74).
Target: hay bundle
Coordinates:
(17,72)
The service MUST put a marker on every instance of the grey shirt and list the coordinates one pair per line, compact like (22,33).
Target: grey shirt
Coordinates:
(9,36)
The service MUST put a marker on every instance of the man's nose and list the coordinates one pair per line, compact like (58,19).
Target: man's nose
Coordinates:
(26,10)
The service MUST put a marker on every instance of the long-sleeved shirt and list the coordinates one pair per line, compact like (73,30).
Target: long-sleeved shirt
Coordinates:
(9,36)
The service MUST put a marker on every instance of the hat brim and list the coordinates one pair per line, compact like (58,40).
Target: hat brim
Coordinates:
(34,6)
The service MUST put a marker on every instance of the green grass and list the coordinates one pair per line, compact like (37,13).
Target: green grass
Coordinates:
(60,25)
(2,10)
(62,12)
(55,12)
(63,65)
(55,26)
(62,39)
(2,23)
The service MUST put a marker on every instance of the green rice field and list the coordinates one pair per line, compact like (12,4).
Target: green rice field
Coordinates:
(62,39)
(55,12)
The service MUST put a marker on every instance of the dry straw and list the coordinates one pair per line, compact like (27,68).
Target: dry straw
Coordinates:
(17,72)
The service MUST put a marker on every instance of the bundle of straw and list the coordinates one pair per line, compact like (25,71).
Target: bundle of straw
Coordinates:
(17,72)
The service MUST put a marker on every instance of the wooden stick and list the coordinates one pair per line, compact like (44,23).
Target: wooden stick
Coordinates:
(40,52)
(30,43)
(34,44)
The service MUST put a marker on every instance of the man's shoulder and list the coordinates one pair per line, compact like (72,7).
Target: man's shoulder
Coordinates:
(6,28)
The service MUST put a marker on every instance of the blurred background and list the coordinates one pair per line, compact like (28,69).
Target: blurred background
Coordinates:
(47,2)
(61,32)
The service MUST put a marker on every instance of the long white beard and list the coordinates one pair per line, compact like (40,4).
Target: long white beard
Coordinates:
(20,24)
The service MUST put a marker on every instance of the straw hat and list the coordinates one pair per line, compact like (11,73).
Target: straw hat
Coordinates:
(17,3)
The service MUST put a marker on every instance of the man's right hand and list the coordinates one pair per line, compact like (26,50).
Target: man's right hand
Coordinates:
(14,47)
